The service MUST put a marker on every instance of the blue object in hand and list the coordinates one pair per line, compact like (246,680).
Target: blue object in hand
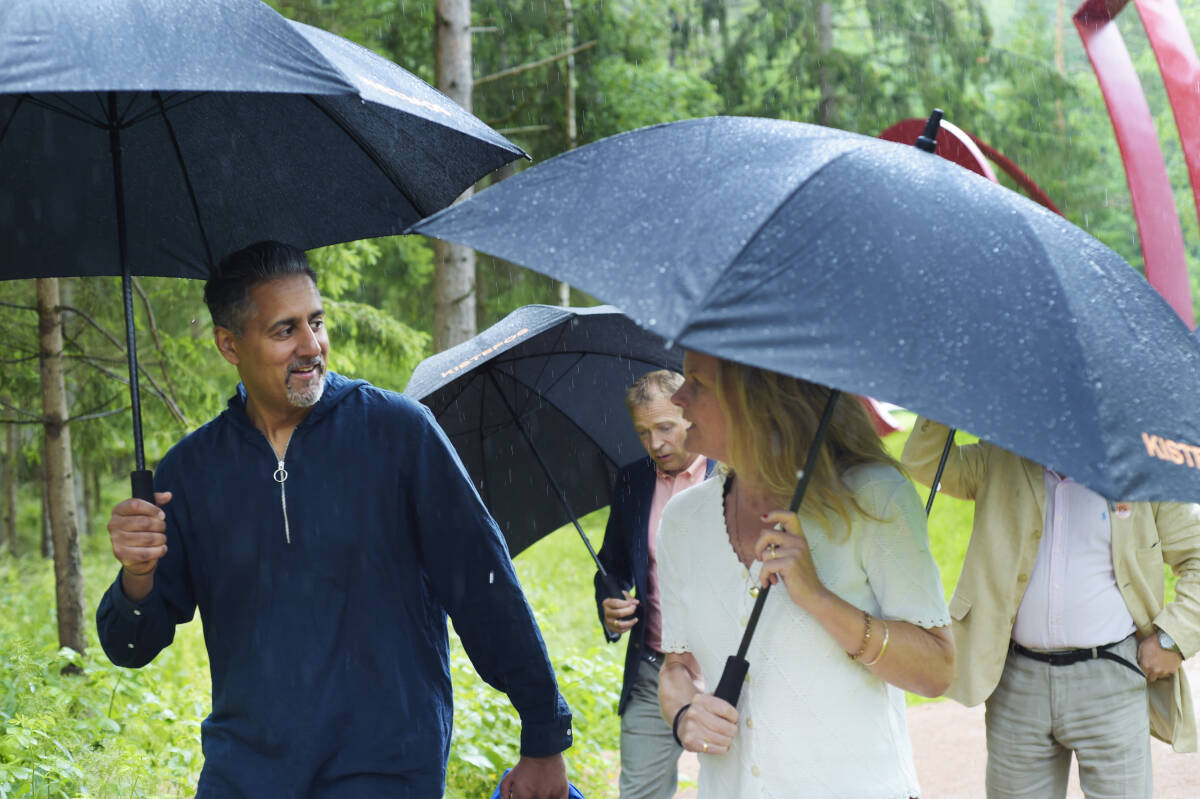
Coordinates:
(572,791)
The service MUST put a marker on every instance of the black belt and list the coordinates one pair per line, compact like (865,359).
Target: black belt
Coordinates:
(1069,656)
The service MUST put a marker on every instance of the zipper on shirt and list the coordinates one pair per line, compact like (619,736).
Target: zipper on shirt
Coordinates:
(281,477)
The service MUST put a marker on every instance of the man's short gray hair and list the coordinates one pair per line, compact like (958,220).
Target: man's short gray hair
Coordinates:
(661,383)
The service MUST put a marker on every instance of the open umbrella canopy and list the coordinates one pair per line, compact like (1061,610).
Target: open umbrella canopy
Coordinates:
(153,137)
(534,405)
(874,268)
(231,125)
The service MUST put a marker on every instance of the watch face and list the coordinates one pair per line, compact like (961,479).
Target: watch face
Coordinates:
(1166,641)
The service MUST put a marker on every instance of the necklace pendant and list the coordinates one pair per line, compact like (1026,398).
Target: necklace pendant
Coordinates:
(754,592)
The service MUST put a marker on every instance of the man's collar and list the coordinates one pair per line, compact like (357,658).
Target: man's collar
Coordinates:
(698,464)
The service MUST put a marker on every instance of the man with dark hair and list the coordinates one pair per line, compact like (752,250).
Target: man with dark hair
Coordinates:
(649,753)
(324,528)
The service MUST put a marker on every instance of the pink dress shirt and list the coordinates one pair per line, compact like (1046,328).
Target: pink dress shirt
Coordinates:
(665,487)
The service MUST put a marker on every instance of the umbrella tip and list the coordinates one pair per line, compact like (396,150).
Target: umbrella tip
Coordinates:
(927,141)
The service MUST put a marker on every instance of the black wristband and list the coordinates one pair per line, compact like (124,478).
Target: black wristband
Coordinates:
(675,724)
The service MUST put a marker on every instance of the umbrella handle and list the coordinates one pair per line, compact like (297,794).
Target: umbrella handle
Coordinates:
(732,679)
(142,483)
(611,589)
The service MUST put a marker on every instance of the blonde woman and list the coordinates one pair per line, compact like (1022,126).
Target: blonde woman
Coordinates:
(861,616)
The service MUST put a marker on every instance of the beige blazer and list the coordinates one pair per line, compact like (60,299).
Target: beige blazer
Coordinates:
(1010,508)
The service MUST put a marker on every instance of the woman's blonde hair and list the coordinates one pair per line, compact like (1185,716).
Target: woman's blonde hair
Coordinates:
(771,420)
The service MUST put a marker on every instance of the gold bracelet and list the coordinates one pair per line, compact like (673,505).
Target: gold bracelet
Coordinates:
(866,638)
(882,648)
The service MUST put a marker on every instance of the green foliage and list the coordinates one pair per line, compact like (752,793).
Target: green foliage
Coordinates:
(107,732)
(648,93)
(366,340)
(556,574)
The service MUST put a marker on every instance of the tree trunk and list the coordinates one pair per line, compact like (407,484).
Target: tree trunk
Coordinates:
(80,493)
(454,264)
(47,530)
(60,480)
(564,288)
(1060,61)
(824,48)
(12,447)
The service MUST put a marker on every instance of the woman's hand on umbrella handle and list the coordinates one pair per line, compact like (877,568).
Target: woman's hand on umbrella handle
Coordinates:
(708,726)
(618,613)
(785,555)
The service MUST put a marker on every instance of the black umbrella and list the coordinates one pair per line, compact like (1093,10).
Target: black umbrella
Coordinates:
(151,137)
(534,406)
(871,267)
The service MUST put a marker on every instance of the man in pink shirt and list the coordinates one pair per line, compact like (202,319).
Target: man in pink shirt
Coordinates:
(649,753)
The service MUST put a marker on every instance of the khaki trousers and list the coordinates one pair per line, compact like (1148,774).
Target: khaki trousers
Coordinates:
(1039,714)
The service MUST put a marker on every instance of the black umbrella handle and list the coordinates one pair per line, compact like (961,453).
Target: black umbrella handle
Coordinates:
(736,666)
(142,483)
(730,686)
(612,590)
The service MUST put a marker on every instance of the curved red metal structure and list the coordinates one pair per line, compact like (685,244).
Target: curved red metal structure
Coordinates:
(964,149)
(1145,171)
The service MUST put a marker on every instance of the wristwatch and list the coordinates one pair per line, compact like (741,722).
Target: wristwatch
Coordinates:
(1167,642)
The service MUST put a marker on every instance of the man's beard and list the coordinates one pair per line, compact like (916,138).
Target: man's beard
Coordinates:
(311,394)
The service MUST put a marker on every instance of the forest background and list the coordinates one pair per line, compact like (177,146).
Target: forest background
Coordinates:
(1011,72)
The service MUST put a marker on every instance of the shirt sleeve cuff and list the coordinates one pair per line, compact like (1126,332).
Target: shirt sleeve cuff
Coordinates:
(126,606)
(546,738)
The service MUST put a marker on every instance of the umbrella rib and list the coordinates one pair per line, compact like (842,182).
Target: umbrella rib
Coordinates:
(552,350)
(8,122)
(367,150)
(550,403)
(487,484)
(72,111)
(167,104)
(133,98)
(187,178)
(712,290)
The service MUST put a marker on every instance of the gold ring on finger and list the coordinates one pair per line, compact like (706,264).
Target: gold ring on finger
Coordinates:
(704,746)
(771,549)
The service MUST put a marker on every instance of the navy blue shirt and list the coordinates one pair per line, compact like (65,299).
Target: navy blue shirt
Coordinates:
(324,600)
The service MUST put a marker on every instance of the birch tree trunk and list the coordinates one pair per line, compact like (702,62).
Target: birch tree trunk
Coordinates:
(12,445)
(824,48)
(1060,60)
(564,288)
(60,480)
(454,264)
